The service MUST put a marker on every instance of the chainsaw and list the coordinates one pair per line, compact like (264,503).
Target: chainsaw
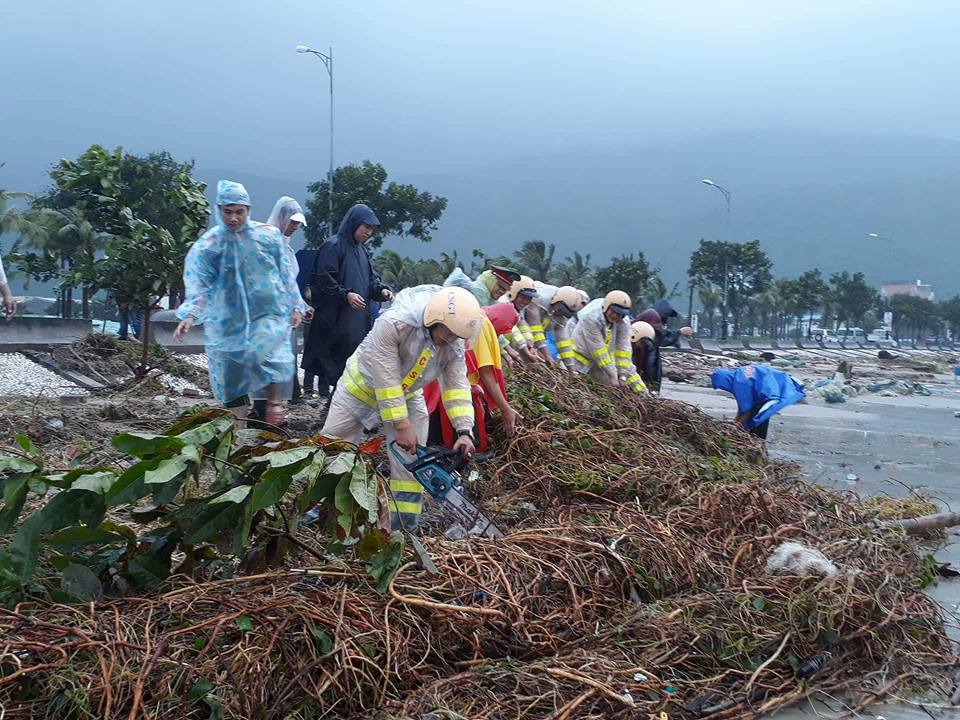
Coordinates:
(438,470)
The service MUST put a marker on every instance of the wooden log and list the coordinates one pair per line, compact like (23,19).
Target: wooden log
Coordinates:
(927,522)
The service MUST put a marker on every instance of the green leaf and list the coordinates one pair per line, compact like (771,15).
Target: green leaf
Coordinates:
(17,463)
(200,689)
(80,582)
(142,444)
(323,487)
(321,640)
(244,623)
(759,603)
(216,709)
(78,535)
(26,443)
(271,487)
(145,571)
(234,495)
(242,532)
(386,562)
(25,547)
(166,471)
(14,487)
(282,458)
(130,486)
(71,507)
(345,504)
(212,520)
(342,463)
(98,482)
(14,496)
(164,494)
(37,486)
(203,434)
(369,545)
(364,490)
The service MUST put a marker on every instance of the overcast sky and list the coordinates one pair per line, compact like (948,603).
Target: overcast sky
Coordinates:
(432,85)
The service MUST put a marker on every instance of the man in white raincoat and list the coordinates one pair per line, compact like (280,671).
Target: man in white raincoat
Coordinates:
(420,338)
(601,342)
(241,285)
(551,308)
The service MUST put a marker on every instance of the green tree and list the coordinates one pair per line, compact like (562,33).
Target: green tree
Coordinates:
(851,297)
(913,316)
(812,292)
(575,270)
(950,312)
(402,272)
(710,300)
(632,275)
(403,210)
(535,258)
(745,266)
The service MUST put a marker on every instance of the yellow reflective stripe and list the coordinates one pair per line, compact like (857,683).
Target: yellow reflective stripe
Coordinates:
(623,363)
(405,485)
(539,337)
(537,328)
(392,414)
(636,383)
(621,353)
(604,361)
(527,335)
(411,508)
(567,354)
(565,343)
(459,411)
(389,393)
(599,352)
(418,367)
(455,394)
(580,358)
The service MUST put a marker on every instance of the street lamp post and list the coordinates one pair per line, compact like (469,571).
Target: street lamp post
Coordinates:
(887,240)
(327,60)
(726,196)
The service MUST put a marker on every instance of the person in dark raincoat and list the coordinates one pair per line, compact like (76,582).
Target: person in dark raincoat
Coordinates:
(343,290)
(651,369)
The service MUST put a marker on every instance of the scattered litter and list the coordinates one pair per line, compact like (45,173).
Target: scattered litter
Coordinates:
(792,558)
(852,478)
(55,424)
(639,677)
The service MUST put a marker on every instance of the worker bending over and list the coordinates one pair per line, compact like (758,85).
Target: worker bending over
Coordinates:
(551,309)
(418,339)
(601,342)
(521,295)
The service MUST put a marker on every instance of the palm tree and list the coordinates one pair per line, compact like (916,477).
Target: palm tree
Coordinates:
(448,263)
(66,238)
(710,301)
(535,258)
(575,270)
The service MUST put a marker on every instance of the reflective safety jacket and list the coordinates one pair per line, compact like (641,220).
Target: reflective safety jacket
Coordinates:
(397,358)
(604,347)
(538,319)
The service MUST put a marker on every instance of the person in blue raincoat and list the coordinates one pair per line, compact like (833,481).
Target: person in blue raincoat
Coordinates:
(760,392)
(343,290)
(241,285)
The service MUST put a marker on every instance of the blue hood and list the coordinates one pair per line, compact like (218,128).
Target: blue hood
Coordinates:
(664,310)
(355,216)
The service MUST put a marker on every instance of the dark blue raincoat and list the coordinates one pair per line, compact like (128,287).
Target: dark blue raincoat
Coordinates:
(342,265)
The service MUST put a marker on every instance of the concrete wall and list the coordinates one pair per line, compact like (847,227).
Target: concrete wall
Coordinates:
(26,331)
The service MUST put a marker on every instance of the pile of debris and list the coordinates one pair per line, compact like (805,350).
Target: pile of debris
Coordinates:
(652,577)
(106,363)
(695,368)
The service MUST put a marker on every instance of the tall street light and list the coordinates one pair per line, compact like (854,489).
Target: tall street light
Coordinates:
(887,240)
(328,64)
(723,246)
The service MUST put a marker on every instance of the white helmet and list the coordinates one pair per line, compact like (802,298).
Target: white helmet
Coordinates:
(455,308)
(524,286)
(567,300)
(640,330)
(619,301)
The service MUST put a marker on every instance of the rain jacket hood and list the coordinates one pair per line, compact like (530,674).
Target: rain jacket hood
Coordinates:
(284,209)
(355,217)
(230,193)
